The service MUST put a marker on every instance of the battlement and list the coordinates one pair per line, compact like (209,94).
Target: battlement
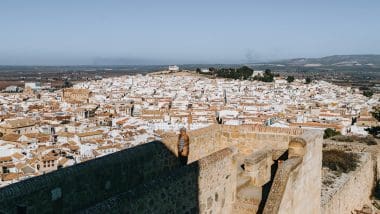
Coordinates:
(230,170)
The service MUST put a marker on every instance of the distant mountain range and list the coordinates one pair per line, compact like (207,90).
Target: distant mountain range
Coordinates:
(335,60)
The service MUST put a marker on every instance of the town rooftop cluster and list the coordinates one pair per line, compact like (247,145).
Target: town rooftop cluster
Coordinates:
(43,130)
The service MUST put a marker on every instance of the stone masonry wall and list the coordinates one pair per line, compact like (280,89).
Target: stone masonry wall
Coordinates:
(217,182)
(301,184)
(357,147)
(355,192)
(208,140)
(73,188)
(149,178)
(205,186)
(282,178)
(250,138)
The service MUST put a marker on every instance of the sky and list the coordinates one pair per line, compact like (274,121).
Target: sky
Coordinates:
(88,32)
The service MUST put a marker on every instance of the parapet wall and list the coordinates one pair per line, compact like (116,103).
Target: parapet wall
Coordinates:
(205,186)
(283,177)
(213,138)
(355,192)
(74,188)
(203,142)
(250,138)
(357,148)
(297,185)
(217,182)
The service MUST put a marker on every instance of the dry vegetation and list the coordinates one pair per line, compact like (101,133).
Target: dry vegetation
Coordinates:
(340,161)
(336,164)
(369,140)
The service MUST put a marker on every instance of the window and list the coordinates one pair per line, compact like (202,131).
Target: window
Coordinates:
(5,169)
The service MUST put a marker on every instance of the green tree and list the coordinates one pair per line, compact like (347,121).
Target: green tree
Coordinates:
(308,80)
(268,76)
(330,133)
(245,72)
(374,131)
(290,79)
(67,84)
(212,69)
(198,70)
(368,93)
(235,73)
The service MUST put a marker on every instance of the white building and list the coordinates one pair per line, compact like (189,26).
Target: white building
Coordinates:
(12,89)
(33,85)
(205,70)
(257,73)
(173,68)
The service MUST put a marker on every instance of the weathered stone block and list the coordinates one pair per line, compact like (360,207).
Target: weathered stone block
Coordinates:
(258,166)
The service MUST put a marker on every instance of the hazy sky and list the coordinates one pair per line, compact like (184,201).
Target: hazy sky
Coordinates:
(193,31)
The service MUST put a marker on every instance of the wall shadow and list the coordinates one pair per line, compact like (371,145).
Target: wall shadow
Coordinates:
(145,179)
(174,191)
(267,187)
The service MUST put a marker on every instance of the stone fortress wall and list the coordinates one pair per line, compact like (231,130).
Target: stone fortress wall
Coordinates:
(297,184)
(149,178)
(295,176)
(357,148)
(356,188)
(248,137)
(74,188)
(355,191)
(204,186)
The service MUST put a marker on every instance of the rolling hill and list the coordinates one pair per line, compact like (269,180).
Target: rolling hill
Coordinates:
(335,60)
